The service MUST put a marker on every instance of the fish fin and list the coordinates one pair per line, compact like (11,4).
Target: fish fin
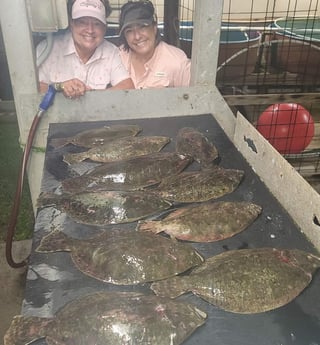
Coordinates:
(73,158)
(207,165)
(172,287)
(149,226)
(178,213)
(46,199)
(24,330)
(173,238)
(51,341)
(53,242)
(58,142)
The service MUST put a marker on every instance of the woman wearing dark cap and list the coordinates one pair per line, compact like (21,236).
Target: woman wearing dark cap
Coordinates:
(81,59)
(151,63)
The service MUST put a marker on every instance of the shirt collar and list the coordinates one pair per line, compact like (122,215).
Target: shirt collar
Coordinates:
(151,63)
(69,48)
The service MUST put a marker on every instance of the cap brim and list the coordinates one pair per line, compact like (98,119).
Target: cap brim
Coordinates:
(89,13)
(136,22)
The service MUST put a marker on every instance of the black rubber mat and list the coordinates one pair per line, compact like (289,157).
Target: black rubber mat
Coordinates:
(53,280)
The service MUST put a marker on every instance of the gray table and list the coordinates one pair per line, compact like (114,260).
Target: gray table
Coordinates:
(53,280)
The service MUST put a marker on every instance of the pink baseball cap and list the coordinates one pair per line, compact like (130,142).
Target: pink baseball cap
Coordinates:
(89,8)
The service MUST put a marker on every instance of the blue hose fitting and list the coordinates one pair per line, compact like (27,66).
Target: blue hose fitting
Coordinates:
(48,98)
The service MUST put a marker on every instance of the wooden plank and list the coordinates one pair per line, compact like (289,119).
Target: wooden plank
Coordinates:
(290,188)
(307,163)
(315,143)
(307,169)
(311,97)
(272,78)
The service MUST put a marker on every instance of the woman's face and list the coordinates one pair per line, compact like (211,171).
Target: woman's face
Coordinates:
(87,33)
(141,39)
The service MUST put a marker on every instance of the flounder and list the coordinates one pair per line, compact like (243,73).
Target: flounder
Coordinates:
(115,318)
(105,207)
(130,174)
(119,149)
(247,280)
(98,136)
(191,142)
(197,186)
(125,257)
(207,222)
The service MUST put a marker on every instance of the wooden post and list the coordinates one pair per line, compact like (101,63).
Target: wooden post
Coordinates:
(171,22)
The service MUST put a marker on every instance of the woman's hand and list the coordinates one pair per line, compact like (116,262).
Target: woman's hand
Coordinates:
(72,89)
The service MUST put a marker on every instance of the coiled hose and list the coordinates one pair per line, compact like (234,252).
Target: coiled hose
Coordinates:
(44,105)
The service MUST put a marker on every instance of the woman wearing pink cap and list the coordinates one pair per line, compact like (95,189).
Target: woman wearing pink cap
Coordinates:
(152,63)
(81,59)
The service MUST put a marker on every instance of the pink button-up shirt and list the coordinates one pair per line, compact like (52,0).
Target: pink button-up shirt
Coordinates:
(168,67)
(103,68)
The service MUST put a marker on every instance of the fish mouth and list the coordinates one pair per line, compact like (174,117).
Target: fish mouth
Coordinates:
(203,315)
(314,259)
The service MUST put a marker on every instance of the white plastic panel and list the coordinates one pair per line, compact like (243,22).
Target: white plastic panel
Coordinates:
(47,15)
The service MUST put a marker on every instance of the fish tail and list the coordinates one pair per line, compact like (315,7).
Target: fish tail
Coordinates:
(149,226)
(72,158)
(172,287)
(54,241)
(58,142)
(24,330)
(46,199)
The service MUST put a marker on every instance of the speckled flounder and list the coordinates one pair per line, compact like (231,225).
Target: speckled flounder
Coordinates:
(248,280)
(197,186)
(191,142)
(125,257)
(115,318)
(105,207)
(131,174)
(208,222)
(119,149)
(97,136)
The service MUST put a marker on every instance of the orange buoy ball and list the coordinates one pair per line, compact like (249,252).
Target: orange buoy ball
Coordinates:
(287,126)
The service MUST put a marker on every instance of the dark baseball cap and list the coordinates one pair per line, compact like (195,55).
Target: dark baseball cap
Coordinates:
(136,13)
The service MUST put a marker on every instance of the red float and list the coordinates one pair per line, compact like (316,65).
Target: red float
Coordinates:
(287,126)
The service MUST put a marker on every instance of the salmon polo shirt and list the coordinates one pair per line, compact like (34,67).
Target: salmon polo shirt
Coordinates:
(63,63)
(168,67)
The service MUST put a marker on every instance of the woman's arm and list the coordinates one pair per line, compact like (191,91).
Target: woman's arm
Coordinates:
(123,85)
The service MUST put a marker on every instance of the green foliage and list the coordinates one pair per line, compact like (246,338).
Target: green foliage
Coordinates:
(10,159)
